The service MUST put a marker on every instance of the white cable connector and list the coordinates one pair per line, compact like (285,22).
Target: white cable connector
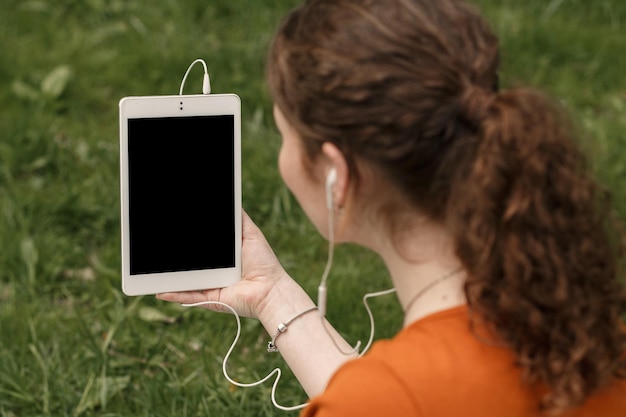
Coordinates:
(321,300)
(206,82)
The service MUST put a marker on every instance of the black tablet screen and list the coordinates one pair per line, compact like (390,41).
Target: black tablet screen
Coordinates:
(181,193)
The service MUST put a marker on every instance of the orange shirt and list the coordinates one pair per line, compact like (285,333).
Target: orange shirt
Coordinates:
(436,367)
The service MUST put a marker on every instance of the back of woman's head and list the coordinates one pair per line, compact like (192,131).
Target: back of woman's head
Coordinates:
(385,81)
(411,87)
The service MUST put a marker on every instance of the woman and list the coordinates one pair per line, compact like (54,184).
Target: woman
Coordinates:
(475,198)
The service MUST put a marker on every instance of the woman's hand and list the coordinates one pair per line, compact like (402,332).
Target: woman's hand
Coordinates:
(261,274)
(267,293)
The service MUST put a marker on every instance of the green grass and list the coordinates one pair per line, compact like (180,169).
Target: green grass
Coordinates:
(71,344)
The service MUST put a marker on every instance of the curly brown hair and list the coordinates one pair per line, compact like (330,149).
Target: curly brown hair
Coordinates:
(531,229)
(411,86)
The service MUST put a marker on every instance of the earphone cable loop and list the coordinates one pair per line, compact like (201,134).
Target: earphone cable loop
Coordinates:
(206,84)
(275,371)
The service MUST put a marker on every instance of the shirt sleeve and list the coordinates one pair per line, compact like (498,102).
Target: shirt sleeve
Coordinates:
(364,388)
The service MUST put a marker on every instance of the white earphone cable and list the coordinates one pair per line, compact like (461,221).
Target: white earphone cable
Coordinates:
(322,289)
(371,316)
(206,89)
(206,82)
(276,371)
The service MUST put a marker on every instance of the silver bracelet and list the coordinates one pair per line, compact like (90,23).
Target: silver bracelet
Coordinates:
(282,328)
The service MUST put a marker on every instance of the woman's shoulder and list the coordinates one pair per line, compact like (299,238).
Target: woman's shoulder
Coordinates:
(441,366)
(424,369)
(442,348)
(401,375)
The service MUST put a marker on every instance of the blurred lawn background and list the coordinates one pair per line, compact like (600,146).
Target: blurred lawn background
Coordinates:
(70,343)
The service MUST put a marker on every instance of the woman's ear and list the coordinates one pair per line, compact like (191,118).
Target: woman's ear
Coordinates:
(338,183)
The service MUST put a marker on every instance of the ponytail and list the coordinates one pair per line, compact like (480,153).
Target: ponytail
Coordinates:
(530,228)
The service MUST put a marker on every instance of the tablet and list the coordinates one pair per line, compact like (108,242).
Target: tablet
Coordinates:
(180,181)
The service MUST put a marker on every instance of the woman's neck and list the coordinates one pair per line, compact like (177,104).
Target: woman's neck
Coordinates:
(420,257)
(427,274)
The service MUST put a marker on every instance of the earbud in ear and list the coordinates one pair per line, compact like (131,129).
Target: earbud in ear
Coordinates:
(331,179)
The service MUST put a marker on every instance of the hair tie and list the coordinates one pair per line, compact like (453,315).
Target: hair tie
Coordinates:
(475,104)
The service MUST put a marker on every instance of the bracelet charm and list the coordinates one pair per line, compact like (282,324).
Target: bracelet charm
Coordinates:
(282,328)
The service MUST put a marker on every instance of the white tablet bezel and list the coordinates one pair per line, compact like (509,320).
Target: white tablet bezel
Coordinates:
(177,106)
